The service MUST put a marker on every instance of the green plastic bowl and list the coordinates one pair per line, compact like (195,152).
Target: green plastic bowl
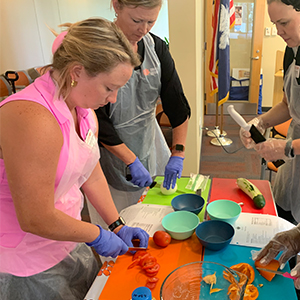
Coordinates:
(224,210)
(180,224)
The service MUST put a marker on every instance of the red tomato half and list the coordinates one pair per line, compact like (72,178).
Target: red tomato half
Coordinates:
(161,238)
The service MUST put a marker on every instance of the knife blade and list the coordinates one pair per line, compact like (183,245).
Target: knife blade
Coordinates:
(284,274)
(255,133)
(137,248)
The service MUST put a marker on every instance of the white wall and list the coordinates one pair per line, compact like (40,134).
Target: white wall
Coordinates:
(186,21)
(25,40)
(270,46)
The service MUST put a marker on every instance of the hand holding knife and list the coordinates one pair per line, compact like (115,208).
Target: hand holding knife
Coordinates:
(255,133)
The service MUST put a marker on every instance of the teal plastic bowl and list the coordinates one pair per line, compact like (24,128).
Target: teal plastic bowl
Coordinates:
(180,224)
(224,210)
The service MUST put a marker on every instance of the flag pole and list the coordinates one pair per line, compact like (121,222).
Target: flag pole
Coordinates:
(221,140)
(216,132)
(219,63)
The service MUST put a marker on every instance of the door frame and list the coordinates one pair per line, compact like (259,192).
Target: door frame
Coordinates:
(243,107)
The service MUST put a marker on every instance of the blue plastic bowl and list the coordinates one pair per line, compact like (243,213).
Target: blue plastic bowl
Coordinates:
(188,202)
(214,234)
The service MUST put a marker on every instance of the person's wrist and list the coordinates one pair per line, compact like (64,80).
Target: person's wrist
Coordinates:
(178,154)
(118,229)
(116,224)
(97,239)
(289,150)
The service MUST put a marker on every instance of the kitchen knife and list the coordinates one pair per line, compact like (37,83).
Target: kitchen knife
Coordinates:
(137,248)
(284,274)
(255,133)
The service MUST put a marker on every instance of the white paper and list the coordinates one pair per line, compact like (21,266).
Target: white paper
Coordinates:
(146,216)
(256,230)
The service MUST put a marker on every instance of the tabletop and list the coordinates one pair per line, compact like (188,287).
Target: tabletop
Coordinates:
(122,281)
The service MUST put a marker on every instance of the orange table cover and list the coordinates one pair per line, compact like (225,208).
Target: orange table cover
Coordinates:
(122,281)
(223,188)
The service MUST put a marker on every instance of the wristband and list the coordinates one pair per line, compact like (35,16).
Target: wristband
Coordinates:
(288,150)
(115,224)
(178,147)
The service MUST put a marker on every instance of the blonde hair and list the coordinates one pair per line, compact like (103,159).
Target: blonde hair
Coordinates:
(97,44)
(136,3)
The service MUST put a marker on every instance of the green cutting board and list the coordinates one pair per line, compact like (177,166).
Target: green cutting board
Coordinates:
(154,195)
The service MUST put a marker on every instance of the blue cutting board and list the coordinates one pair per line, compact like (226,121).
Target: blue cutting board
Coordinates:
(278,289)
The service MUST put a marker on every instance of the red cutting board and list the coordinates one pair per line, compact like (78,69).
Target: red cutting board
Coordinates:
(223,188)
(123,281)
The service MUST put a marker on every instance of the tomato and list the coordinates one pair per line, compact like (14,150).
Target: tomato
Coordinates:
(161,238)
(134,263)
(148,262)
(153,270)
(151,282)
(138,254)
(152,279)
(151,285)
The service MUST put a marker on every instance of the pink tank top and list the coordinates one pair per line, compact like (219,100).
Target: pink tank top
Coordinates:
(25,254)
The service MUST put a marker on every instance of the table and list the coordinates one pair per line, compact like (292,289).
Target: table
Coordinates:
(180,252)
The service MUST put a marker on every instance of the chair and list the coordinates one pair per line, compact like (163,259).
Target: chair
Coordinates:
(36,72)
(18,79)
(278,131)
(33,73)
(5,88)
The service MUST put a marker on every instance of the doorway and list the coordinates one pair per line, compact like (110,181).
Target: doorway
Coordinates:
(246,38)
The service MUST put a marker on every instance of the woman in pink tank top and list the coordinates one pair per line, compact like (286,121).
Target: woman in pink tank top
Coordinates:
(48,154)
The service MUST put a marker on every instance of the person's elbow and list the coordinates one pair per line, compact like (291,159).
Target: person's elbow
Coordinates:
(35,224)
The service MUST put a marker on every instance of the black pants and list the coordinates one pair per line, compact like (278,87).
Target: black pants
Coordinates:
(288,216)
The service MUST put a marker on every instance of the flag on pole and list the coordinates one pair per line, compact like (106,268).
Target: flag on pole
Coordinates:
(219,66)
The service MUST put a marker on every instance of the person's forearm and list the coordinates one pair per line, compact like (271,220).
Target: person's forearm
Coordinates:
(179,137)
(276,115)
(97,191)
(122,152)
(56,225)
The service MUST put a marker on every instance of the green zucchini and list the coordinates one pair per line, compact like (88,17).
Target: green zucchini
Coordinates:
(252,191)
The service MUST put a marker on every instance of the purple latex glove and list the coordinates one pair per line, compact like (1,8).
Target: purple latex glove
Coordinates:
(140,176)
(108,244)
(245,135)
(127,234)
(272,149)
(172,171)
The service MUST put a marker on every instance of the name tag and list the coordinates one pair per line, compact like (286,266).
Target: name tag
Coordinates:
(297,71)
(90,138)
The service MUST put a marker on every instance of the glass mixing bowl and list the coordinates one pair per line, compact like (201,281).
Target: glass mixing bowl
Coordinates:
(187,282)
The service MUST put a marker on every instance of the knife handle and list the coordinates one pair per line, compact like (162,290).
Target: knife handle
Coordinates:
(288,275)
(259,138)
